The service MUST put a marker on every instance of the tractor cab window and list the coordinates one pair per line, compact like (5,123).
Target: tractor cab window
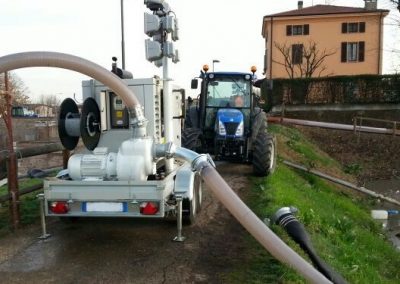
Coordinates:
(228,92)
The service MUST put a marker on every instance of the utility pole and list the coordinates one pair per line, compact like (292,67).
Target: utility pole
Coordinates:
(12,160)
(123,35)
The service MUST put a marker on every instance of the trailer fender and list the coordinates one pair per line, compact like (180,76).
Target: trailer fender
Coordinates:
(184,182)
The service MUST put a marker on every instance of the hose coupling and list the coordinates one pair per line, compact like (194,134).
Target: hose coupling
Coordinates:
(201,161)
(276,218)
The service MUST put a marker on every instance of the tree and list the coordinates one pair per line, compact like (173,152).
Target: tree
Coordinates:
(12,89)
(18,92)
(303,61)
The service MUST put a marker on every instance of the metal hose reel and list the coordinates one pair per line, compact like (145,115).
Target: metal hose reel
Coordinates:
(90,124)
(72,125)
(68,124)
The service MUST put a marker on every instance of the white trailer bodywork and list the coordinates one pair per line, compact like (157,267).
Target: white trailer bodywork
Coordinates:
(97,191)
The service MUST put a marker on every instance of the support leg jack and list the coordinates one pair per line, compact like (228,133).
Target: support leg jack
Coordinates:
(179,237)
(44,235)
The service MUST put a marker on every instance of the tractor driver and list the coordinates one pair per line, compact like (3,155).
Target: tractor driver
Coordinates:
(239,101)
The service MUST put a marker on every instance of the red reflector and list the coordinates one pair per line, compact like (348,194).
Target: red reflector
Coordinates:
(148,208)
(59,207)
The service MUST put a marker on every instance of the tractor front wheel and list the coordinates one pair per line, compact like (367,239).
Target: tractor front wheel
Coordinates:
(264,153)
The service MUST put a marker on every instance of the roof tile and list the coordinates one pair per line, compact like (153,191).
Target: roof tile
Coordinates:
(324,10)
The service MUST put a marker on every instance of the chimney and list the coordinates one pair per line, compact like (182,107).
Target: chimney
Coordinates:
(371,4)
(300,5)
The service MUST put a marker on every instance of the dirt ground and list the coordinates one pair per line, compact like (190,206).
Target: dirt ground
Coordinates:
(131,251)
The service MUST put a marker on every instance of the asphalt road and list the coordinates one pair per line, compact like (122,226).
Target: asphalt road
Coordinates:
(131,250)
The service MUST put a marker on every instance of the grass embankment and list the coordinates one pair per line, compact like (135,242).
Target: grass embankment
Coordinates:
(337,220)
(29,206)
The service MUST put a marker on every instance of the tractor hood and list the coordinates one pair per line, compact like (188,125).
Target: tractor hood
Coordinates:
(229,123)
(229,115)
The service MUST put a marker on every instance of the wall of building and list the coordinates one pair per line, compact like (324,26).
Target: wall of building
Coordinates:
(326,31)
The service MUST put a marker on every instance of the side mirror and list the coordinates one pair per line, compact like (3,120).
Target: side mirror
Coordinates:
(194,84)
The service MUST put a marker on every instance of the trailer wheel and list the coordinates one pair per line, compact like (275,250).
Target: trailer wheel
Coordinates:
(190,208)
(191,139)
(198,186)
(264,153)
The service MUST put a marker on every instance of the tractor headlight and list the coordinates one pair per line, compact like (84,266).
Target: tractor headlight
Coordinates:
(239,129)
(221,128)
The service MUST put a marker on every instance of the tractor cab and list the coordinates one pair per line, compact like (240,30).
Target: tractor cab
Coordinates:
(227,103)
(227,122)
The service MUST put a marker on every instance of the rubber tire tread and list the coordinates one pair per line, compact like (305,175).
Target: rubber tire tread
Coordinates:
(263,151)
(191,139)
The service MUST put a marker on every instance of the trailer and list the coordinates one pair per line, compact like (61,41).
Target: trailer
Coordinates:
(128,167)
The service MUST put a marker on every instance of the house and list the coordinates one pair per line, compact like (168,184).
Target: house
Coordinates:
(324,40)
(43,110)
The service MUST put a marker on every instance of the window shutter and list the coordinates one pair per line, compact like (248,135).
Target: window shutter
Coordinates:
(344,51)
(306,29)
(362,27)
(289,30)
(266,60)
(361,51)
(344,28)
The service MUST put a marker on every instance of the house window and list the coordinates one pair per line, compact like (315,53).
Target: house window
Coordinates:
(297,54)
(352,27)
(297,30)
(353,51)
(357,27)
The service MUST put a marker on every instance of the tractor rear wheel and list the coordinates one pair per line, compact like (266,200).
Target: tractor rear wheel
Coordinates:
(264,153)
(191,139)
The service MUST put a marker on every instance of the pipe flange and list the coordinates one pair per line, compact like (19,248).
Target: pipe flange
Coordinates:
(199,162)
(164,150)
(170,149)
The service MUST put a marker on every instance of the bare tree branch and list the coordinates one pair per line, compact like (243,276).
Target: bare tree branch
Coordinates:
(287,59)
(312,62)
(17,90)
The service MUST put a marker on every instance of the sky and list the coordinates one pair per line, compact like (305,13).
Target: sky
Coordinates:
(228,31)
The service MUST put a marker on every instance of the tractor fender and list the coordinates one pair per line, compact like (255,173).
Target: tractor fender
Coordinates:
(184,182)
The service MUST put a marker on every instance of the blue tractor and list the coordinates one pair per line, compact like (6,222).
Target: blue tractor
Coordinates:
(227,122)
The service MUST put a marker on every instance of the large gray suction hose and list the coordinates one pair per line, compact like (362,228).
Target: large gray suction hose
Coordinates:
(247,218)
(199,162)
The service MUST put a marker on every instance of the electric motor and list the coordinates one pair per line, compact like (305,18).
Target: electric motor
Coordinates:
(93,167)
